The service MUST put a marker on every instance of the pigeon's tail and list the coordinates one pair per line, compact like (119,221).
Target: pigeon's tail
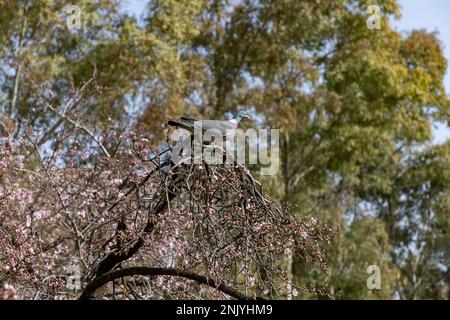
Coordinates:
(190,120)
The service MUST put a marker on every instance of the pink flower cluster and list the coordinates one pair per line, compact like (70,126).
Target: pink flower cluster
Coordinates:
(9,292)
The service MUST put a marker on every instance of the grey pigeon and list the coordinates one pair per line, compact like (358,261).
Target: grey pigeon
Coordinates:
(225,127)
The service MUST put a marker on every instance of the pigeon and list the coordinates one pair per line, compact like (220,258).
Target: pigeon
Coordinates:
(224,127)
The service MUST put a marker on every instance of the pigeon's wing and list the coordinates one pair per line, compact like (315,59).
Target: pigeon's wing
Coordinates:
(221,126)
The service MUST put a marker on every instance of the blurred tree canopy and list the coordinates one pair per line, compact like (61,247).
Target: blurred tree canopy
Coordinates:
(355,107)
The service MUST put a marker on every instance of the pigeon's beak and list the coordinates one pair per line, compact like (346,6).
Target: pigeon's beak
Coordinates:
(247,116)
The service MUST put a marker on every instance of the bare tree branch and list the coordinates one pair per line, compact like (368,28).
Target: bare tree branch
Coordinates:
(62,115)
(147,271)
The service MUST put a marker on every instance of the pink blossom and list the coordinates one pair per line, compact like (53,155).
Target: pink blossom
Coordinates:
(20,161)
(117,182)
(10,292)
(81,213)
(41,214)
(22,195)
(303,234)
(4,163)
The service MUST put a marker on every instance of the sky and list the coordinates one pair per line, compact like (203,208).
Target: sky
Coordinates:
(432,15)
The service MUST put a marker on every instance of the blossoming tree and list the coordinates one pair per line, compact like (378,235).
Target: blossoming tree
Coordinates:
(69,227)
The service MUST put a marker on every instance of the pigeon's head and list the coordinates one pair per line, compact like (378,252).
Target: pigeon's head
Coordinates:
(244,115)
